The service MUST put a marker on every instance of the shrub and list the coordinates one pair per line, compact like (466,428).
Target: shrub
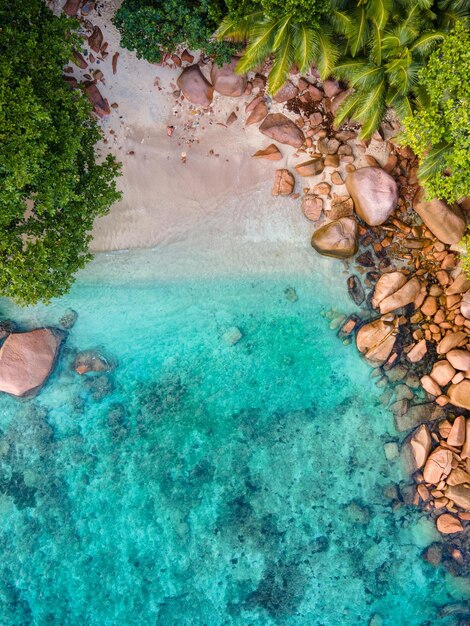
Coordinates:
(51,186)
(153,27)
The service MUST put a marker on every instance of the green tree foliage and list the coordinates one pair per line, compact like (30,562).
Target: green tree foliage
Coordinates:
(290,30)
(386,43)
(439,133)
(51,187)
(153,27)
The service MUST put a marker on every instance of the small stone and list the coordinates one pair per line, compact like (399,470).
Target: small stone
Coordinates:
(313,167)
(391,451)
(442,372)
(312,206)
(284,183)
(232,335)
(271,153)
(336,178)
(430,386)
(456,436)
(429,306)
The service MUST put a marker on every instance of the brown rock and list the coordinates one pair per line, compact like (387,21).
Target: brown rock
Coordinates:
(332,160)
(465,454)
(284,183)
(226,81)
(376,339)
(100,105)
(336,178)
(337,239)
(257,114)
(374,192)
(231,119)
(27,359)
(341,206)
(458,476)
(79,60)
(114,62)
(451,341)
(187,57)
(405,295)
(465,305)
(420,446)
(442,372)
(286,92)
(448,524)
(459,394)
(331,88)
(460,359)
(91,361)
(323,189)
(271,153)
(282,129)
(195,87)
(460,494)
(312,207)
(95,40)
(429,306)
(460,285)
(387,285)
(71,7)
(445,221)
(417,414)
(430,386)
(313,167)
(438,466)
(315,93)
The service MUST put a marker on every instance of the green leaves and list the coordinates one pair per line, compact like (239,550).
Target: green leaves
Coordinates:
(51,185)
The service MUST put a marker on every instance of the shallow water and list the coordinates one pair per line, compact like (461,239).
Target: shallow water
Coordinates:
(202,482)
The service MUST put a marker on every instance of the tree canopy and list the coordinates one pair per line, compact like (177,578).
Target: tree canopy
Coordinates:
(51,185)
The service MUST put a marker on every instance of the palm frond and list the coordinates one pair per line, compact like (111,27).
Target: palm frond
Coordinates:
(357,35)
(283,62)
(327,54)
(305,46)
(401,104)
(447,19)
(239,29)
(347,108)
(260,46)
(424,45)
(379,11)
(402,74)
(376,43)
(342,21)
(435,161)
(282,31)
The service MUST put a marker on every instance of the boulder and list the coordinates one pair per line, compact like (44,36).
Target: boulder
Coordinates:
(100,105)
(458,476)
(460,494)
(451,341)
(312,206)
(459,394)
(465,305)
(420,446)
(95,40)
(460,359)
(195,87)
(284,183)
(356,290)
(448,524)
(418,414)
(445,221)
(282,129)
(438,466)
(456,436)
(71,7)
(312,167)
(226,81)
(442,372)
(337,239)
(258,113)
(92,361)
(417,352)
(271,153)
(376,339)
(461,284)
(430,386)
(286,92)
(386,285)
(374,192)
(405,295)
(27,359)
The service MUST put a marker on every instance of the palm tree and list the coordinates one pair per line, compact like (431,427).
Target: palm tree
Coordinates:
(289,41)
(385,43)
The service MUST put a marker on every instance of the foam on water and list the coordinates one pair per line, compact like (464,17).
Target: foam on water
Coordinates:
(203,482)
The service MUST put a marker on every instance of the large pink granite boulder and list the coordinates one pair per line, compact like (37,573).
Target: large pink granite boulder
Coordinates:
(374,192)
(226,81)
(337,239)
(195,86)
(27,359)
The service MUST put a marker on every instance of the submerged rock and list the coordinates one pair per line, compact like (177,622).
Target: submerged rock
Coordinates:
(27,359)
(356,290)
(232,336)
(68,319)
(92,361)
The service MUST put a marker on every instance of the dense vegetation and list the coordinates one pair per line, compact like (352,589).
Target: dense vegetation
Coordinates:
(51,187)
(153,27)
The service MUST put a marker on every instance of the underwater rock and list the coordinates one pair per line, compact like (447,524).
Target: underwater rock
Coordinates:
(27,359)
(117,421)
(433,554)
(68,319)
(232,336)
(291,294)
(358,513)
(99,386)
(92,361)
(6,328)
(356,290)
(417,414)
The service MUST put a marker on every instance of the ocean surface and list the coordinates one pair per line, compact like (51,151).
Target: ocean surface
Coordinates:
(208,482)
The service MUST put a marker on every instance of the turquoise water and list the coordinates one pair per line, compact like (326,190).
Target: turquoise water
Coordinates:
(206,483)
